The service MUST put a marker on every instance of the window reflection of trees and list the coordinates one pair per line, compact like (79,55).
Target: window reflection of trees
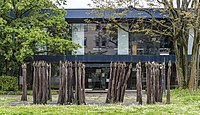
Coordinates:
(104,38)
(151,44)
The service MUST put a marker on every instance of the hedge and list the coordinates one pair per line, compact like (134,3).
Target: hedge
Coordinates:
(8,83)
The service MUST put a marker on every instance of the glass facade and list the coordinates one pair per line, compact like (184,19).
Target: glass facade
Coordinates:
(97,78)
(78,37)
(107,39)
(100,39)
(123,42)
(142,44)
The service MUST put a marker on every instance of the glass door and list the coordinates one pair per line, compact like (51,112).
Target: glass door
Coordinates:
(96,78)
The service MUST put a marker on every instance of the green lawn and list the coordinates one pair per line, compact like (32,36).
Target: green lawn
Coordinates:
(182,102)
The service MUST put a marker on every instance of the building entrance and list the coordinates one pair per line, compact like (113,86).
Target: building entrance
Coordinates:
(97,78)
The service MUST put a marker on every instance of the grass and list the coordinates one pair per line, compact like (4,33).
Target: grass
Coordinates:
(182,102)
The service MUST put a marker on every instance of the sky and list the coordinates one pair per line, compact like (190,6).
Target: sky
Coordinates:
(84,3)
(77,4)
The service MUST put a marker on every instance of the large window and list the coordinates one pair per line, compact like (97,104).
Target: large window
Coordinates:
(142,44)
(100,39)
(107,39)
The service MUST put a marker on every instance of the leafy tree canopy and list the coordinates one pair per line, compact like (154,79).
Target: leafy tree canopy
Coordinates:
(29,27)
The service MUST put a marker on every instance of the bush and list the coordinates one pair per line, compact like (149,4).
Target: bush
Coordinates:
(8,83)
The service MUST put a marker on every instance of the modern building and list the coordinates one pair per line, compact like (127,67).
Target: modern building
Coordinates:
(104,42)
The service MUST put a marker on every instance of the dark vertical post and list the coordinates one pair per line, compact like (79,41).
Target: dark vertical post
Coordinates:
(109,85)
(76,83)
(60,83)
(49,83)
(46,82)
(125,83)
(24,85)
(153,80)
(43,82)
(119,83)
(34,83)
(63,84)
(38,80)
(140,101)
(117,79)
(164,86)
(79,84)
(162,81)
(122,82)
(113,84)
(148,72)
(168,82)
(197,77)
(66,82)
(157,82)
(139,82)
(71,95)
(83,83)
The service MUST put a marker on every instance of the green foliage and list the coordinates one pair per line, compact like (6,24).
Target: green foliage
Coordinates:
(31,27)
(8,83)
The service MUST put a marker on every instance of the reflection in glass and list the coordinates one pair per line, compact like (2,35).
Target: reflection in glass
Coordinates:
(142,44)
(100,39)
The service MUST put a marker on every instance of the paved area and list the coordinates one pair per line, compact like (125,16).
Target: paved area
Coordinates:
(91,99)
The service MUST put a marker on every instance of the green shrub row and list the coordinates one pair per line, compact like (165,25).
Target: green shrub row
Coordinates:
(8,83)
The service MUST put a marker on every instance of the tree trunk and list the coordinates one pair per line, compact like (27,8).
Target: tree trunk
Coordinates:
(24,86)
(123,80)
(148,75)
(197,79)
(154,81)
(34,83)
(71,95)
(76,84)
(125,83)
(43,83)
(49,84)
(139,83)
(179,74)
(157,83)
(113,84)
(60,83)
(168,82)
(186,67)
(83,83)
(80,100)
(66,83)
(193,72)
(151,81)
(117,79)
(119,83)
(38,82)
(109,85)
(162,82)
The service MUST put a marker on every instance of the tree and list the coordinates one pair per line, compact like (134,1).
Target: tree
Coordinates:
(31,27)
(179,16)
